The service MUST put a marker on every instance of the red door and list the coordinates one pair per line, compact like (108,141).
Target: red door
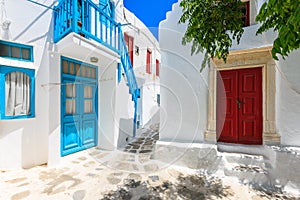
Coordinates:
(148,62)
(239,106)
(129,43)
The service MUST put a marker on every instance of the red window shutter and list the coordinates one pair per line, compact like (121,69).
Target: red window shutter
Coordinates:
(129,43)
(148,62)
(246,13)
(157,67)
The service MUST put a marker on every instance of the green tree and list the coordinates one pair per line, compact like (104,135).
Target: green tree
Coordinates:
(214,24)
(284,17)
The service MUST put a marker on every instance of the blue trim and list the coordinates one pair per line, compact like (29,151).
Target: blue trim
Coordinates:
(4,70)
(79,119)
(21,46)
(78,62)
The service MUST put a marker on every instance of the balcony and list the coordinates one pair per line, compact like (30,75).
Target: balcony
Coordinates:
(91,23)
(88,20)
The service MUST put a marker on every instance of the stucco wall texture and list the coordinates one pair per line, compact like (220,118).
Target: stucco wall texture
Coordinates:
(185,93)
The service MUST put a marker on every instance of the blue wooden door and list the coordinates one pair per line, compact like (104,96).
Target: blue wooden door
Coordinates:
(78,106)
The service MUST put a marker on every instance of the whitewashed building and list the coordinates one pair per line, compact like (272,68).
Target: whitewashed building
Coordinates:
(250,99)
(67,81)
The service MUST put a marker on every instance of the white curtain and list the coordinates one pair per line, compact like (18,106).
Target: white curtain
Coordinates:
(71,103)
(88,93)
(17,94)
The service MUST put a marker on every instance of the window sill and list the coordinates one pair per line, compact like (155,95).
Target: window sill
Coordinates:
(16,63)
(17,117)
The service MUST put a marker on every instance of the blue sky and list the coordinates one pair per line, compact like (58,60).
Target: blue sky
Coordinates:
(151,12)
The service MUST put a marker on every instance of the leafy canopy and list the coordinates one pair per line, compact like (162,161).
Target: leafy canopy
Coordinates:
(284,17)
(214,24)
(211,24)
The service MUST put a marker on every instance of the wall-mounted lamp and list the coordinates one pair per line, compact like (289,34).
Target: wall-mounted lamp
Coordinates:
(94,59)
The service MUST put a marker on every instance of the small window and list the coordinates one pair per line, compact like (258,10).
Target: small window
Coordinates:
(76,68)
(4,50)
(246,14)
(16,51)
(157,68)
(17,98)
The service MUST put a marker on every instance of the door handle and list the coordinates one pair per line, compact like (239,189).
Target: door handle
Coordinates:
(239,103)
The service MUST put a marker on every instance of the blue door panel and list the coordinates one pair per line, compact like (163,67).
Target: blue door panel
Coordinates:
(88,133)
(79,123)
(71,138)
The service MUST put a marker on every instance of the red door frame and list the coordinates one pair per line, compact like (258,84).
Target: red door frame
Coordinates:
(239,106)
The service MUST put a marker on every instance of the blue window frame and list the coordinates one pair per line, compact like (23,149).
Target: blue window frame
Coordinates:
(79,106)
(17,92)
(16,51)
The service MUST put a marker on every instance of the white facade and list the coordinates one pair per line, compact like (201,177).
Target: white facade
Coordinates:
(34,141)
(188,97)
(148,83)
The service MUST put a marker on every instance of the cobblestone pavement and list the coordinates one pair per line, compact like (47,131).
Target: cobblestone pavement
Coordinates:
(144,143)
(130,173)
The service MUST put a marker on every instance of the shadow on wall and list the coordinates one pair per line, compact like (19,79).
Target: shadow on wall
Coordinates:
(125,132)
(126,129)
(155,118)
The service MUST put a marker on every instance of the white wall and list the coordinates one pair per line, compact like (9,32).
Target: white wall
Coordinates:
(24,142)
(183,88)
(148,83)
(30,142)
(54,119)
(184,93)
(108,121)
(288,99)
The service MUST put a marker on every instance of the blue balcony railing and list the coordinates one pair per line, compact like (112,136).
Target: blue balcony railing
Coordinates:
(131,79)
(87,19)
(91,21)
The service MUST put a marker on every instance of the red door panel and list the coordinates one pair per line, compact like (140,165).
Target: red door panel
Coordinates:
(250,112)
(226,109)
(241,92)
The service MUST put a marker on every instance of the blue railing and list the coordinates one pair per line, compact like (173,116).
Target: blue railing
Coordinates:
(87,19)
(131,79)
(128,69)
(90,21)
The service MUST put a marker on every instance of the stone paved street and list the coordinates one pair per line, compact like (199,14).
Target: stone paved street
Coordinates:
(136,172)
(144,143)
